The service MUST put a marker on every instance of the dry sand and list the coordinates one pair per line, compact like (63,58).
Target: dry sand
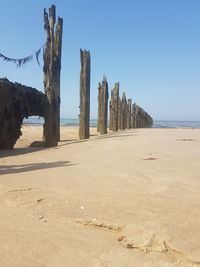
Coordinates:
(125,199)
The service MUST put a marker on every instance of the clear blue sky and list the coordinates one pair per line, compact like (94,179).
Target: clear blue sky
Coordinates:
(152,47)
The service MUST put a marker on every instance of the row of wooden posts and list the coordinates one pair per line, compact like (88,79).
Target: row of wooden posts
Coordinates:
(123,114)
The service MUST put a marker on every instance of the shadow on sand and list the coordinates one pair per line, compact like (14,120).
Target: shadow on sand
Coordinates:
(27,150)
(19,151)
(98,137)
(8,169)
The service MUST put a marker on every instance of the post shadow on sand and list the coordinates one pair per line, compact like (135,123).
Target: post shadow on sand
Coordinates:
(26,150)
(20,151)
(9,169)
(97,137)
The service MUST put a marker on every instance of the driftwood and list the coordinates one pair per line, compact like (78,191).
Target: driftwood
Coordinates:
(52,66)
(84,122)
(17,102)
(102,106)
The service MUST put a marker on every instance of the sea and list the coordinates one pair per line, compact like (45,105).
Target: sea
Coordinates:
(93,123)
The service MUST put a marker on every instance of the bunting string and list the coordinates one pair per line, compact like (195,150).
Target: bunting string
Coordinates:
(22,61)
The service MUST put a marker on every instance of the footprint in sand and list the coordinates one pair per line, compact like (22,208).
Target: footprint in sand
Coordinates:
(22,197)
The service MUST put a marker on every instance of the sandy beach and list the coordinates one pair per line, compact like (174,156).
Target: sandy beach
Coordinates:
(123,199)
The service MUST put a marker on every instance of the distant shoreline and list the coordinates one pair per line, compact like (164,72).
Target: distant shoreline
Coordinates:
(93,122)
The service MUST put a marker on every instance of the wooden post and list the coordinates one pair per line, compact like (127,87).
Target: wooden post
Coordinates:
(124,111)
(136,116)
(114,108)
(145,119)
(142,118)
(84,122)
(105,97)
(119,114)
(148,121)
(57,59)
(52,66)
(111,112)
(102,107)
(99,107)
(129,106)
(139,117)
(133,116)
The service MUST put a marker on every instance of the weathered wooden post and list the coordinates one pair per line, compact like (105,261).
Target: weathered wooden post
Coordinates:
(139,117)
(111,112)
(129,106)
(133,116)
(102,106)
(136,116)
(58,53)
(114,108)
(84,120)
(52,66)
(148,120)
(99,107)
(143,118)
(119,114)
(124,111)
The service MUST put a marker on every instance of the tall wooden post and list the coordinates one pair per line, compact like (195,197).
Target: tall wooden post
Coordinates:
(111,112)
(114,108)
(124,111)
(52,66)
(102,107)
(99,107)
(120,114)
(57,56)
(84,121)
(136,116)
(142,118)
(145,119)
(129,107)
(133,116)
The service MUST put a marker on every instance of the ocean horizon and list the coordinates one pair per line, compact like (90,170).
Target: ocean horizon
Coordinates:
(93,123)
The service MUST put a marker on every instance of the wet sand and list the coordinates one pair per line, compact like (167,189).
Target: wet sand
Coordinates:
(123,199)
